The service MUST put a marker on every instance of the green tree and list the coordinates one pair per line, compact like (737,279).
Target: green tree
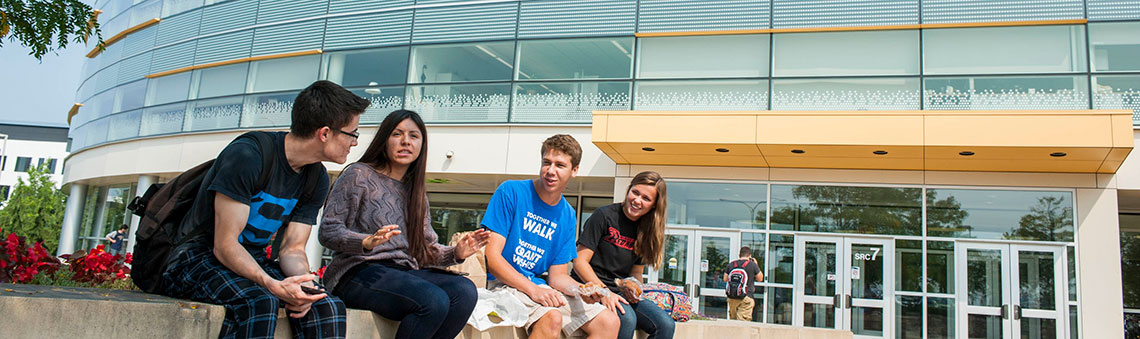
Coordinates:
(35,209)
(1050,220)
(47,25)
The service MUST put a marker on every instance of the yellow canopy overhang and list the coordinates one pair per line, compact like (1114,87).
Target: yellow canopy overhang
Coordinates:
(1084,141)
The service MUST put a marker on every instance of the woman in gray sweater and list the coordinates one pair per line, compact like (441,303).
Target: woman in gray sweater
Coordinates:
(386,256)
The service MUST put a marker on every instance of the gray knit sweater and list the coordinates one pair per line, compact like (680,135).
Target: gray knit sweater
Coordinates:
(361,201)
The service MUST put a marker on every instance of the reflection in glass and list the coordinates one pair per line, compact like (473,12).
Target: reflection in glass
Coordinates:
(460,103)
(1034,328)
(213,114)
(940,267)
(1007,92)
(846,94)
(908,317)
(940,318)
(755,242)
(268,110)
(452,213)
(702,95)
(1072,268)
(867,321)
(367,68)
(992,214)
(868,259)
(737,205)
(717,56)
(675,267)
(715,251)
(1131,325)
(283,74)
(908,265)
(758,309)
(130,96)
(567,101)
(1025,49)
(819,269)
(604,58)
(166,89)
(1037,278)
(462,62)
(866,210)
(780,265)
(1074,333)
(985,326)
(818,315)
(983,278)
(162,119)
(383,100)
(1130,259)
(715,307)
(891,52)
(219,81)
(779,305)
(1117,92)
(124,125)
(1115,46)
(97,131)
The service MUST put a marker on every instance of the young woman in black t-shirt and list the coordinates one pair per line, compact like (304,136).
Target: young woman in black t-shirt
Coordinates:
(617,241)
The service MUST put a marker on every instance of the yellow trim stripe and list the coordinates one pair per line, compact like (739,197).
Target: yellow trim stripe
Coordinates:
(234,61)
(866,28)
(73,111)
(121,35)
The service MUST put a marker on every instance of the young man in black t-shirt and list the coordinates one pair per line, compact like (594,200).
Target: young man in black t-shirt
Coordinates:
(741,308)
(228,265)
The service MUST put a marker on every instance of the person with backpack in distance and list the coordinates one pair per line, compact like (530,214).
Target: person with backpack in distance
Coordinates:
(617,241)
(741,276)
(532,233)
(386,256)
(260,184)
(116,239)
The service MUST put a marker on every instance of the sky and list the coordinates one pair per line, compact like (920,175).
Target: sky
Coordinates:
(38,92)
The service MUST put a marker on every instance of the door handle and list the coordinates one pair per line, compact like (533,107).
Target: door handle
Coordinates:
(848,303)
(836,302)
(1016,312)
(696,290)
(1004,311)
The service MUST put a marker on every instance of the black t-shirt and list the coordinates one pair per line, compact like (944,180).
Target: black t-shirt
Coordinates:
(235,173)
(750,267)
(611,236)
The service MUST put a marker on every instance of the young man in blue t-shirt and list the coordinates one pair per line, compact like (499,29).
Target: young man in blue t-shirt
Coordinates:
(533,233)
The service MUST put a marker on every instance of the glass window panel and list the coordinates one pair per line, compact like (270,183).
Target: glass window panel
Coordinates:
(452,213)
(780,305)
(367,68)
(1037,280)
(1074,332)
(759,302)
(221,80)
(162,119)
(1007,92)
(738,205)
(674,270)
(993,214)
(1026,49)
(145,11)
(213,114)
(1117,92)
(167,89)
(23,164)
(846,53)
(383,100)
(848,209)
(755,242)
(100,106)
(819,315)
(1115,46)
(867,321)
(567,101)
(130,96)
(1071,256)
(268,110)
(1131,325)
(589,205)
(781,252)
(726,56)
(908,317)
(171,7)
(605,58)
(1035,328)
(116,25)
(1130,259)
(97,131)
(460,103)
(714,95)
(940,267)
(124,125)
(715,307)
(462,62)
(940,318)
(846,94)
(283,74)
(908,265)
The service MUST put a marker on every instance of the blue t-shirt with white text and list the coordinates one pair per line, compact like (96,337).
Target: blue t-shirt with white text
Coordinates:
(538,235)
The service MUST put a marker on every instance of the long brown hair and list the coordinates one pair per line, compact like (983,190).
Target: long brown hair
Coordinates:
(651,226)
(414,182)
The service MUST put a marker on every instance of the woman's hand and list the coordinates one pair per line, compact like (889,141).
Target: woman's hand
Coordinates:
(613,302)
(381,236)
(471,243)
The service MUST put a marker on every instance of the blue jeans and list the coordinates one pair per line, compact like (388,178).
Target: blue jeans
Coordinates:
(645,316)
(428,304)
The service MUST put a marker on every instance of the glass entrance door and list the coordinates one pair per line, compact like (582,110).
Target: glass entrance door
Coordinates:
(1011,291)
(694,260)
(845,283)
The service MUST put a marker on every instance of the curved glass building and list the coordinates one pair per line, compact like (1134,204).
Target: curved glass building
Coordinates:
(902,168)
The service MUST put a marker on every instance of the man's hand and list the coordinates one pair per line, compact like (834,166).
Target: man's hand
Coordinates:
(546,296)
(471,243)
(381,236)
(296,300)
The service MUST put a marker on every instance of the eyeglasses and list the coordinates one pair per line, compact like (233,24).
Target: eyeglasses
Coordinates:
(354,134)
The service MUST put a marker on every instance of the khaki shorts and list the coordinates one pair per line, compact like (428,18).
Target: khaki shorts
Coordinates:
(574,314)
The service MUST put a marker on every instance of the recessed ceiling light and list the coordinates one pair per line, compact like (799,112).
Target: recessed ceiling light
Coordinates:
(880,152)
(1057,154)
(965,153)
(798,151)
(648,149)
(722,150)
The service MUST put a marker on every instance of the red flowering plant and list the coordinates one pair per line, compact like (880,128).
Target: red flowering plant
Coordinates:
(97,266)
(19,262)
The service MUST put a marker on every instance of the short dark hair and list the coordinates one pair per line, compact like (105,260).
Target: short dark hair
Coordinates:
(566,144)
(324,103)
(124,227)
(745,252)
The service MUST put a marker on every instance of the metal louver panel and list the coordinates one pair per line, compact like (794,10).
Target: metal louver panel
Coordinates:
(379,29)
(134,68)
(138,41)
(465,23)
(228,16)
(1113,10)
(179,27)
(699,15)
(223,47)
(556,18)
(843,13)
(953,11)
(345,6)
(280,10)
(292,37)
(173,57)
(107,78)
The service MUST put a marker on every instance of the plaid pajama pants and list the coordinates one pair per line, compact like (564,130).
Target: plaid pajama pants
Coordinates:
(251,310)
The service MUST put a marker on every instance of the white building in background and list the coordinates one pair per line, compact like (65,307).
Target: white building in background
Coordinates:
(27,147)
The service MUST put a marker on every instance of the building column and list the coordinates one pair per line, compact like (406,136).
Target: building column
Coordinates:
(144,182)
(72,216)
(313,248)
(1100,289)
(100,215)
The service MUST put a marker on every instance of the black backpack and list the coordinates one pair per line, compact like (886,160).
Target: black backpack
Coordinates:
(737,287)
(163,207)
